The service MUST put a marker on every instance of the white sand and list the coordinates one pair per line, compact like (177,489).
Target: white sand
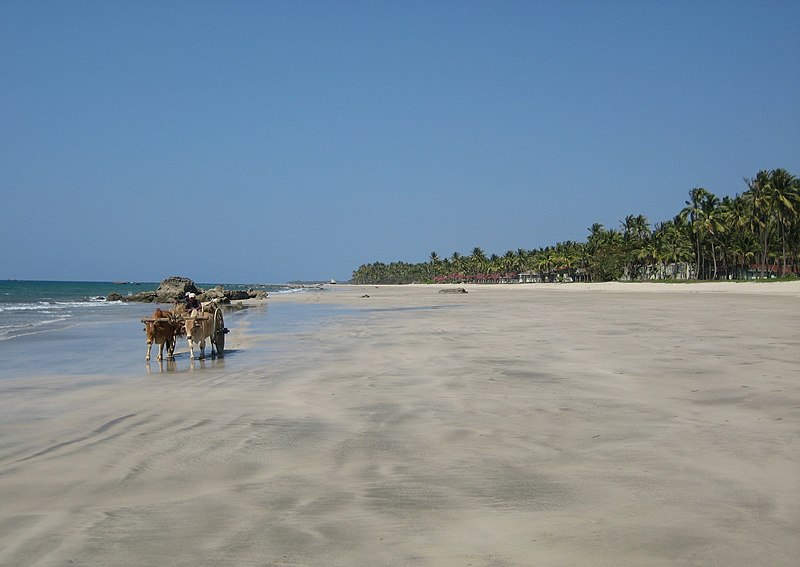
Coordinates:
(563,425)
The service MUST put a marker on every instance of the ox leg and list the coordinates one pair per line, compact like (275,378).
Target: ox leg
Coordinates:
(191,347)
(149,346)
(171,348)
(202,349)
(161,351)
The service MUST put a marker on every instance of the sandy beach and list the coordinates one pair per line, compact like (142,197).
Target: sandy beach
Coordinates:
(548,425)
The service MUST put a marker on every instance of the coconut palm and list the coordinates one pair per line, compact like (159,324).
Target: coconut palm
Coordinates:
(457,263)
(761,205)
(716,236)
(710,225)
(478,261)
(692,213)
(785,197)
(635,234)
(434,260)
(510,262)
(674,244)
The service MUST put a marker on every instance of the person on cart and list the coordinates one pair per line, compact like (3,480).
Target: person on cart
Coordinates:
(192,302)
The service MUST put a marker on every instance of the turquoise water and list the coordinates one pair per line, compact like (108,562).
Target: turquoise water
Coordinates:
(34,292)
(37,307)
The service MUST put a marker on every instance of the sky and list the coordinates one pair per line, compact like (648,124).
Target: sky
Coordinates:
(273,141)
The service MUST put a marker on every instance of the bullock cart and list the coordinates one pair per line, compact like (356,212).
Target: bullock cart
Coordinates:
(206,323)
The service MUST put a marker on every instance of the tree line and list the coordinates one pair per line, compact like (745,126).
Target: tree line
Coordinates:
(755,234)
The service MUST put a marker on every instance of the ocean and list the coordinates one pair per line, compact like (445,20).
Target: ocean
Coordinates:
(34,307)
(49,327)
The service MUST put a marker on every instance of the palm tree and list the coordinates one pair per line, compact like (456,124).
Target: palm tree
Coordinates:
(673,243)
(490,266)
(605,252)
(434,263)
(758,198)
(785,204)
(710,224)
(692,212)
(635,234)
(544,263)
(582,258)
(457,262)
(613,250)
(510,262)
(478,261)
(734,232)
(522,260)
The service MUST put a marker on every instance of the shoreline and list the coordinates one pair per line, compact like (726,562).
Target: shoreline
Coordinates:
(350,294)
(548,424)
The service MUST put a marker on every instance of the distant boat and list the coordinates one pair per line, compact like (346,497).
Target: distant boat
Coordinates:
(333,282)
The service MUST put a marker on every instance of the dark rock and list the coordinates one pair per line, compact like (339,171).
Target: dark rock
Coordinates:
(453,290)
(175,288)
(227,295)
(170,290)
(217,294)
(142,297)
(236,295)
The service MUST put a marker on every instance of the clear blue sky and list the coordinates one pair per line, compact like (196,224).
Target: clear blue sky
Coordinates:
(271,141)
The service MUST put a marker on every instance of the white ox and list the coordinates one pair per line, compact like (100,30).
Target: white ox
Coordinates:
(199,327)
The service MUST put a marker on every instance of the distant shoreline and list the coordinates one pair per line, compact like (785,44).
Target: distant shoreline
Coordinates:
(789,288)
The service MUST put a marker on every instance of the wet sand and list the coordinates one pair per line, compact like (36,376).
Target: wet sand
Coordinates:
(608,424)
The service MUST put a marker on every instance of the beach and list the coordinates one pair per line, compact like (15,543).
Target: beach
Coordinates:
(556,425)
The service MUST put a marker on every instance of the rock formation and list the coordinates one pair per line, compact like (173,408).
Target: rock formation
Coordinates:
(175,288)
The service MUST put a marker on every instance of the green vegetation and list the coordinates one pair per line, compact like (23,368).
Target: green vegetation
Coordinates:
(752,235)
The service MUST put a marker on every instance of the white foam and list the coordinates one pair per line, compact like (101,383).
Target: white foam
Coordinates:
(28,328)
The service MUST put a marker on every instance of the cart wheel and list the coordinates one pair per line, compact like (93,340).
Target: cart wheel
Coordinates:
(219,333)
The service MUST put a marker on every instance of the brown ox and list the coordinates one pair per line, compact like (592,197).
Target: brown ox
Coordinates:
(161,328)
(199,327)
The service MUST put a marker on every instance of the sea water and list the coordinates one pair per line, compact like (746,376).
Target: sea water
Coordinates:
(68,328)
(38,307)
